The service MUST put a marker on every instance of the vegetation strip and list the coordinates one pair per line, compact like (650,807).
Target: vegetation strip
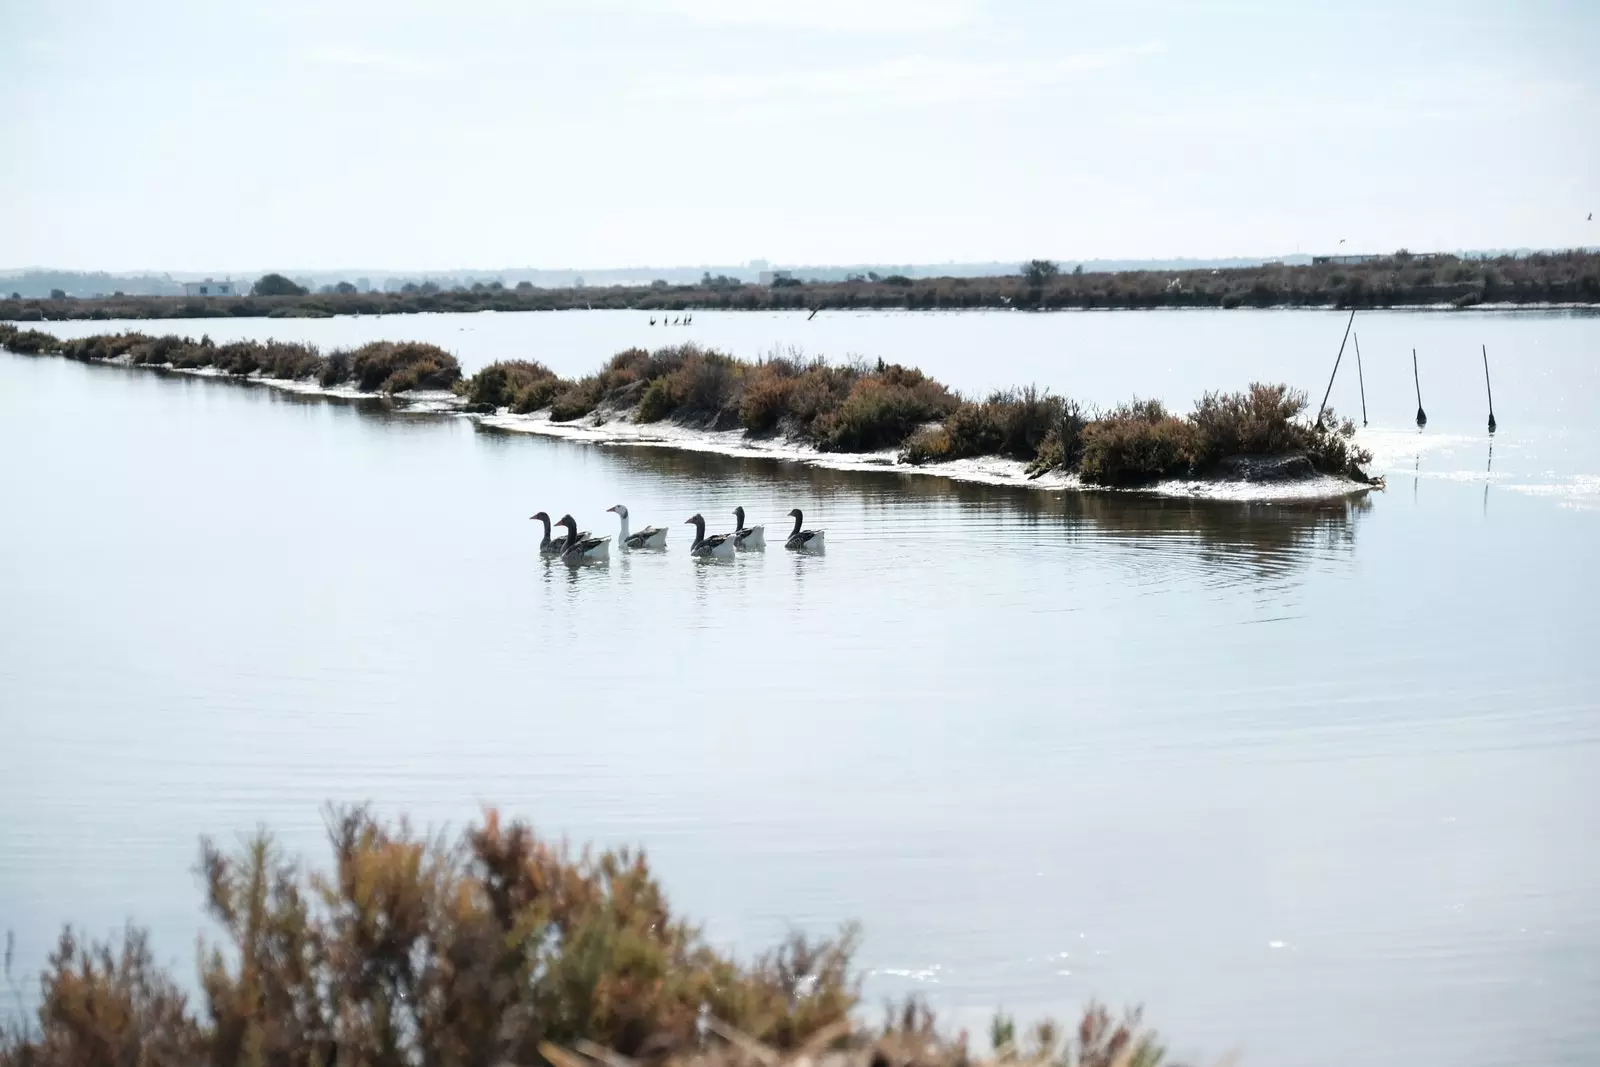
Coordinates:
(490,947)
(852,408)
(1398,280)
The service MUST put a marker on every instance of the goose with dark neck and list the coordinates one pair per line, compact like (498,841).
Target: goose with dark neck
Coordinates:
(581,548)
(747,536)
(716,546)
(649,537)
(803,540)
(547,545)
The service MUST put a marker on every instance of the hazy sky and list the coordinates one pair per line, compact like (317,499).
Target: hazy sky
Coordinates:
(230,134)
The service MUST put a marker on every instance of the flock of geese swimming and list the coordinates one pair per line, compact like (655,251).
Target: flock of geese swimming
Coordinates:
(577,546)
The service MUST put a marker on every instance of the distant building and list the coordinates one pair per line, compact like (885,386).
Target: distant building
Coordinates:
(768,277)
(211,287)
(1414,257)
(364,284)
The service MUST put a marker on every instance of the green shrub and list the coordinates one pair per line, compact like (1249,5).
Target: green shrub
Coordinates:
(1062,447)
(1024,418)
(1333,450)
(576,400)
(1014,424)
(537,394)
(510,383)
(766,400)
(661,398)
(28,342)
(690,384)
(385,366)
(1259,421)
(876,414)
(1136,444)
(335,369)
(927,444)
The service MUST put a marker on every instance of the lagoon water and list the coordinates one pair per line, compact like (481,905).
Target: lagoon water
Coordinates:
(1317,782)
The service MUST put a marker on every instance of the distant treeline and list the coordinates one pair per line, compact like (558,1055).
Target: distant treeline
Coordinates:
(1400,280)
(851,408)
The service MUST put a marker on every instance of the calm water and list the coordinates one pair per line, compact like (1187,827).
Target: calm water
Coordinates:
(1321,783)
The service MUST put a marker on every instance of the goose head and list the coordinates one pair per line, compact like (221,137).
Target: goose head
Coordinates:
(795,513)
(572,527)
(621,511)
(738,518)
(541,516)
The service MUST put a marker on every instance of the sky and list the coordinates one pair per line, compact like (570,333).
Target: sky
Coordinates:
(408,136)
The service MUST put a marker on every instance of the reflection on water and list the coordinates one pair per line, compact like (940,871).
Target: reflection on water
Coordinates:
(1266,768)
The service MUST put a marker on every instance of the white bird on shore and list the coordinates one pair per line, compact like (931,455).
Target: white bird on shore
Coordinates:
(649,537)
(747,536)
(803,540)
(718,546)
(581,549)
(552,546)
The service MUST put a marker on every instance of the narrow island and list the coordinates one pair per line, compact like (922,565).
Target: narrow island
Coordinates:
(883,414)
(1402,279)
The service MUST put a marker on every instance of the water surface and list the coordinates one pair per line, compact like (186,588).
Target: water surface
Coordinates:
(1314,781)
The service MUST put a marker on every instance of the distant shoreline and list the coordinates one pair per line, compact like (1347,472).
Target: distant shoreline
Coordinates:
(1542,281)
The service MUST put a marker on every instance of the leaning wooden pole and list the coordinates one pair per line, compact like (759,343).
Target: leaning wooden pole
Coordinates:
(1329,391)
(1360,378)
(1489,388)
(1422,416)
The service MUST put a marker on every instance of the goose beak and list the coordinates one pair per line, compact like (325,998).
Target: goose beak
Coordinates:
(611,509)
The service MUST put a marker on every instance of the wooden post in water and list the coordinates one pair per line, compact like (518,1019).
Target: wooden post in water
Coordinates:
(1488,387)
(1360,378)
(1422,416)
(1335,373)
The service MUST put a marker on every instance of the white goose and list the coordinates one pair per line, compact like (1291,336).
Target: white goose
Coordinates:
(580,548)
(547,545)
(747,536)
(803,540)
(649,537)
(717,546)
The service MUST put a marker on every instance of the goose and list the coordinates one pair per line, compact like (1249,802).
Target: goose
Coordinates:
(649,537)
(548,546)
(652,320)
(581,548)
(719,546)
(803,540)
(747,536)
